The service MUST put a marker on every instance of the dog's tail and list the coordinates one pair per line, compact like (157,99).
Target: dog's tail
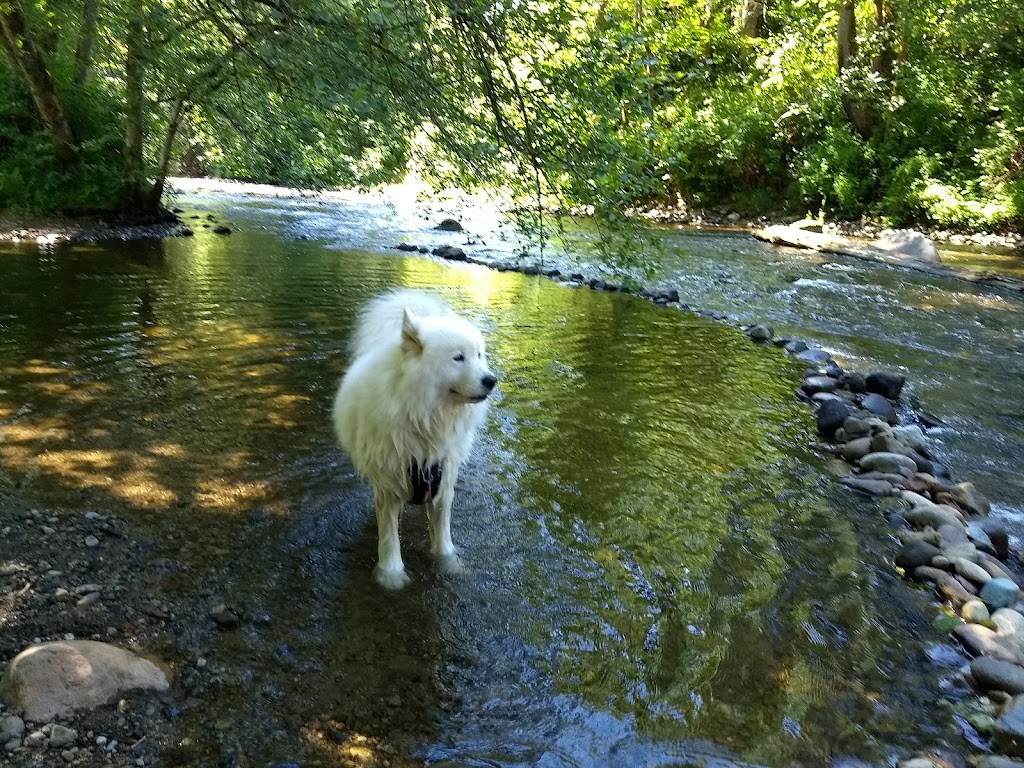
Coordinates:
(380,319)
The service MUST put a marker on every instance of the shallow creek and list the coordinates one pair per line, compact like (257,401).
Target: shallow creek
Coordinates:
(659,574)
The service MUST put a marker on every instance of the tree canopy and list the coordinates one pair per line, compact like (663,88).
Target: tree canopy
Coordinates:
(909,111)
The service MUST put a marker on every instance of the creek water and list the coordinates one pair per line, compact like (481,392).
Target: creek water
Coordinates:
(658,572)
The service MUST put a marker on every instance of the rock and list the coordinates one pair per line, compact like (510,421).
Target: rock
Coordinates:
(966,496)
(993,761)
(814,384)
(61,736)
(982,641)
(993,674)
(816,356)
(946,586)
(932,516)
(449,225)
(407,247)
(760,333)
(795,347)
(979,538)
(996,568)
(856,428)
(915,553)
(35,740)
(967,584)
(221,230)
(908,244)
(92,597)
(831,416)
(897,481)
(450,252)
(870,487)
(11,727)
(85,589)
(895,463)
(733,217)
(975,612)
(888,384)
(912,436)
(922,762)
(996,532)
(854,382)
(971,571)
(54,679)
(225,618)
(999,593)
(879,406)
(808,225)
(91,541)
(1008,734)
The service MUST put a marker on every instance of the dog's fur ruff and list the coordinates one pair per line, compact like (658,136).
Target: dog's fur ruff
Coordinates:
(413,396)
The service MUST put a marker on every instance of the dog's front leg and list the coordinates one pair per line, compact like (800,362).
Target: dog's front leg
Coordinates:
(390,570)
(439,521)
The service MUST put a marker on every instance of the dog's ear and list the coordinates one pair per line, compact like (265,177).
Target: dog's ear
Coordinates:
(411,342)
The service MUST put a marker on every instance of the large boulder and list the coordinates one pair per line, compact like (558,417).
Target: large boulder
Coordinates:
(885,383)
(908,244)
(52,680)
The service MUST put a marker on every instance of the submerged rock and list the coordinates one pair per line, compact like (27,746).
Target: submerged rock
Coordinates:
(450,252)
(55,679)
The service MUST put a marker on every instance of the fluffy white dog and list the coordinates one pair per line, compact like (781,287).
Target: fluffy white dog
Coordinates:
(406,413)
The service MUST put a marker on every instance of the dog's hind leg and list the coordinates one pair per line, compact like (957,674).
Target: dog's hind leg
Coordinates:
(439,522)
(390,571)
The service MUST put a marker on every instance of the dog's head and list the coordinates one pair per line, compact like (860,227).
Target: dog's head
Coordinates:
(449,352)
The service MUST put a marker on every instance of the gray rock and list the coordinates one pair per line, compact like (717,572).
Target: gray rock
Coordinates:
(879,406)
(91,541)
(831,416)
(761,333)
(449,225)
(856,428)
(808,225)
(1008,734)
(899,481)
(92,597)
(854,382)
(814,384)
(220,229)
(915,553)
(993,761)
(945,585)
(966,496)
(53,680)
(996,568)
(815,356)
(12,745)
(855,450)
(85,589)
(895,463)
(975,612)
(908,244)
(982,641)
(35,740)
(979,538)
(993,674)
(888,384)
(407,247)
(224,617)
(450,252)
(11,727)
(930,516)
(999,593)
(997,535)
(971,571)
(912,436)
(61,736)
(870,487)
(795,347)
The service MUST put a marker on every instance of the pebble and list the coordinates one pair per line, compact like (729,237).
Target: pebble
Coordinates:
(90,599)
(85,589)
(61,736)
(91,541)
(68,755)
(35,739)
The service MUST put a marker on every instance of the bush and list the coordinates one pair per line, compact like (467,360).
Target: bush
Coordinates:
(837,174)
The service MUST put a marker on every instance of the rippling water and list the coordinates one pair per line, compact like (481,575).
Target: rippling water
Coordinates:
(658,573)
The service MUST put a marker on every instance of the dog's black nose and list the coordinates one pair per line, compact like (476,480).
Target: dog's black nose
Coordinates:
(488,381)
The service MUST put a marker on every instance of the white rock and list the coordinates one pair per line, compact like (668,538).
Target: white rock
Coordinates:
(909,244)
(53,680)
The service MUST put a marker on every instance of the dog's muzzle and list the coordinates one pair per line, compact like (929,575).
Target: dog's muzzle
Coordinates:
(426,482)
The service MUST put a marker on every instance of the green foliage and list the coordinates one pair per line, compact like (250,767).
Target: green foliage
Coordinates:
(838,173)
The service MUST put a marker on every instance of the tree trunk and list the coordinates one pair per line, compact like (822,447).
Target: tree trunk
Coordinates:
(134,73)
(752,17)
(86,41)
(156,191)
(27,60)
(885,23)
(860,118)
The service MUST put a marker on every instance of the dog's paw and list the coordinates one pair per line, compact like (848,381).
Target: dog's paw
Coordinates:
(450,563)
(393,580)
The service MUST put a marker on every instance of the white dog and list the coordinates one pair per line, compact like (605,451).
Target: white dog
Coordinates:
(407,411)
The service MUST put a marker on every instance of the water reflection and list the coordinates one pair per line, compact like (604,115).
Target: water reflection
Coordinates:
(658,575)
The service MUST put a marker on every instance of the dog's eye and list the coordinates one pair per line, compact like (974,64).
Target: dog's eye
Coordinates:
(459,358)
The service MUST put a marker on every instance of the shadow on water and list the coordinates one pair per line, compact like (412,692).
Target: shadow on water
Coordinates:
(658,576)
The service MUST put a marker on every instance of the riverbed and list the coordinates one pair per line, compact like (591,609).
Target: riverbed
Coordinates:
(659,572)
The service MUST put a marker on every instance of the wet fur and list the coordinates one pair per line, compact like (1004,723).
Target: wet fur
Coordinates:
(405,401)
